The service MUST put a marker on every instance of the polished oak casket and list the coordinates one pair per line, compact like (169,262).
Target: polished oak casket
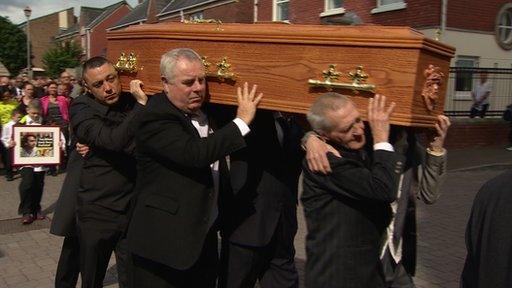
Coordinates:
(294,64)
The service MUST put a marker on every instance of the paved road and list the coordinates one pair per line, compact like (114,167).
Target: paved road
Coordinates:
(29,254)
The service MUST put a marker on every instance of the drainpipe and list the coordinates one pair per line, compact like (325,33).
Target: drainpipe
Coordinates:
(255,11)
(444,7)
(88,41)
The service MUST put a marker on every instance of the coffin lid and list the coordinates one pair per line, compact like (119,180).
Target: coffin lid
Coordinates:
(364,35)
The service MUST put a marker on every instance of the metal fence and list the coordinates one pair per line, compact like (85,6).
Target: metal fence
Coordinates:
(463,80)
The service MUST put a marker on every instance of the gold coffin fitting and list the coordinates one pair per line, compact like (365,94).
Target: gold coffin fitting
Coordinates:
(223,69)
(357,76)
(127,64)
(205,21)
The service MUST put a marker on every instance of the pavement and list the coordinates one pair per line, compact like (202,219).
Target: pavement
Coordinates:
(29,254)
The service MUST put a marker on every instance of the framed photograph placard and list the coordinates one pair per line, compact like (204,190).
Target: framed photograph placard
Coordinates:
(36,145)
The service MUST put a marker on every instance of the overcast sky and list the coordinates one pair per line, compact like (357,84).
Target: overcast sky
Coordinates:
(14,8)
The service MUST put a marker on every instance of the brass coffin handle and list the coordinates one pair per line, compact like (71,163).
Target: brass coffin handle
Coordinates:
(357,76)
(223,72)
(205,21)
(127,64)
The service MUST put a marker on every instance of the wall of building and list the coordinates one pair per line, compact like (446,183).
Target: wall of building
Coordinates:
(477,132)
(42,32)
(236,12)
(418,13)
(308,12)
(98,34)
(473,15)
(300,11)
(482,45)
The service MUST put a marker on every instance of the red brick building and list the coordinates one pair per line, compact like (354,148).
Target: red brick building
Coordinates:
(90,30)
(43,30)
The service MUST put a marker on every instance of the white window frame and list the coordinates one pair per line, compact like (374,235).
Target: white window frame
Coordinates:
(274,10)
(465,95)
(506,10)
(388,7)
(332,11)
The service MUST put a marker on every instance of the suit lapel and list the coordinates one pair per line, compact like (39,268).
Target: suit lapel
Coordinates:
(163,102)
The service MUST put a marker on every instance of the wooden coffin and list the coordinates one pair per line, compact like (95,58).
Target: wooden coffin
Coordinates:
(293,64)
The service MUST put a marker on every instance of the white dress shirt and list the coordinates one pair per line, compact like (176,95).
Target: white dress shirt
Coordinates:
(200,122)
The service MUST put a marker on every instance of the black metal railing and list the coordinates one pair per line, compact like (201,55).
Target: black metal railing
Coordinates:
(463,80)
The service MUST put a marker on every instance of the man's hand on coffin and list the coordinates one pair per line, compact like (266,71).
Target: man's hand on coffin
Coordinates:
(316,153)
(82,149)
(378,117)
(247,102)
(136,90)
(437,143)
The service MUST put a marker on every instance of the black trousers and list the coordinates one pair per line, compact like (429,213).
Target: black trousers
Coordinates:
(395,274)
(31,191)
(100,232)
(68,267)
(150,274)
(479,112)
(5,153)
(273,265)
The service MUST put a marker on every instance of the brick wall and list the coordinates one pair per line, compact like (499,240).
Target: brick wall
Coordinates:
(42,31)
(477,133)
(99,33)
(300,11)
(474,15)
(308,12)
(236,12)
(461,14)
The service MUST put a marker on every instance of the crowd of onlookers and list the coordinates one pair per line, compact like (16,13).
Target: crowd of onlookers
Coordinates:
(41,101)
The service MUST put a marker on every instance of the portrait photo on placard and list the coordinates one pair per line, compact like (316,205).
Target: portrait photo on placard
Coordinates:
(36,145)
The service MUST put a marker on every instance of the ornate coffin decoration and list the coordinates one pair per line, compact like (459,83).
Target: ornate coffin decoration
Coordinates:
(293,64)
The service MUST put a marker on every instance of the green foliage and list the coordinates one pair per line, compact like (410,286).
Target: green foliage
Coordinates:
(13,46)
(60,57)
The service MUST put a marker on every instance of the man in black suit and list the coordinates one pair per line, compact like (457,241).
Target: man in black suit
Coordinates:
(64,224)
(182,173)
(347,211)
(424,171)
(489,236)
(261,213)
(104,120)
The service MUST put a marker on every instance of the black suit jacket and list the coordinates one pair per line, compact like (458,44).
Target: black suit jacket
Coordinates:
(174,184)
(489,236)
(347,213)
(264,178)
(64,217)
(108,170)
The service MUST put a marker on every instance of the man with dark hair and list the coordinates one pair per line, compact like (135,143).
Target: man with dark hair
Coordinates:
(181,177)
(104,120)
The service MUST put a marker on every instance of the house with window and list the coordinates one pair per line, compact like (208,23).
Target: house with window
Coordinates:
(90,29)
(43,30)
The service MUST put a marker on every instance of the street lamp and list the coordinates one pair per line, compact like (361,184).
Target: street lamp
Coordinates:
(28,12)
